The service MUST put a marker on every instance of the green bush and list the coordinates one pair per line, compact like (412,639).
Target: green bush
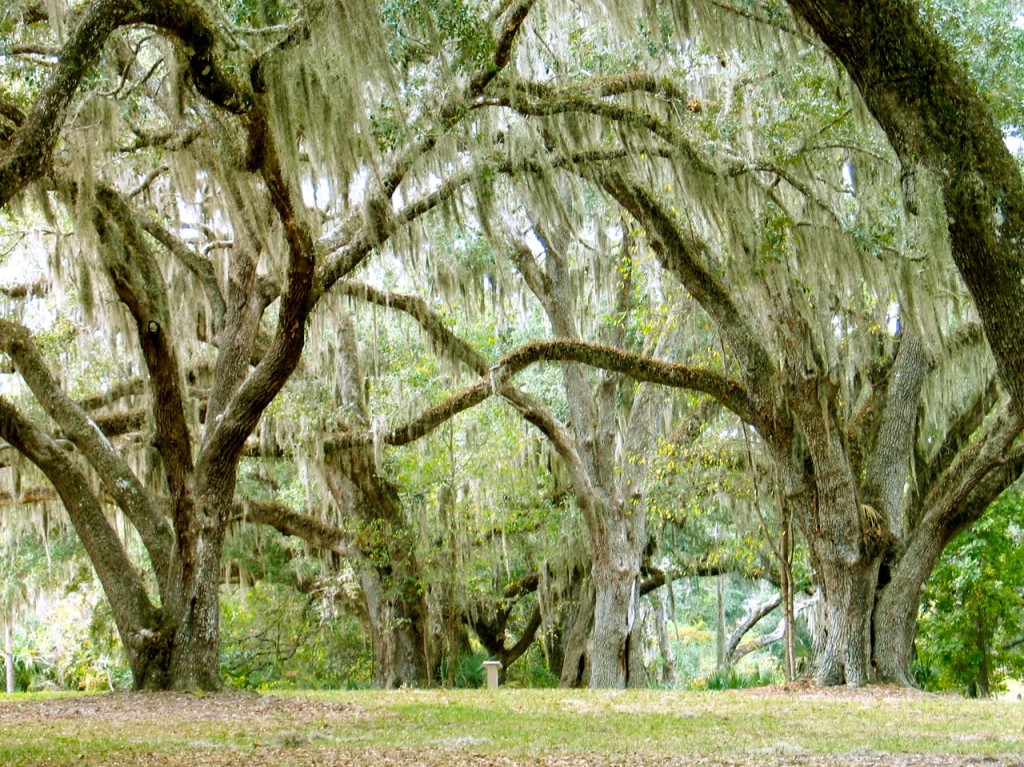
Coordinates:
(468,670)
(736,679)
(972,612)
(273,637)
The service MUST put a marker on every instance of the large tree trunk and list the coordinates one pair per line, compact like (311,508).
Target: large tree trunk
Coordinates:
(894,623)
(396,628)
(893,628)
(194,661)
(616,637)
(8,657)
(843,647)
(575,664)
(845,539)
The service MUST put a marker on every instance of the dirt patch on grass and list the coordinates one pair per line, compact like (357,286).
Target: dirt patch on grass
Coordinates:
(166,708)
(809,689)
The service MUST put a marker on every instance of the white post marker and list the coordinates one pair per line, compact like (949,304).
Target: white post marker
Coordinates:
(492,667)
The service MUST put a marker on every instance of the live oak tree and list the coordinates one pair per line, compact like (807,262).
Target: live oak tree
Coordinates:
(189,108)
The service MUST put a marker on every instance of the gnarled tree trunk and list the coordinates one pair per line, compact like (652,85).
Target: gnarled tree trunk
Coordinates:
(616,637)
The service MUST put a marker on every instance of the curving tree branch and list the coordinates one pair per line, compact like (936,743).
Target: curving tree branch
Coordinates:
(118,479)
(122,584)
(641,369)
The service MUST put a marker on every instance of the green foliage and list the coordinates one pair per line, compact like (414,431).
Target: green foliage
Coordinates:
(273,637)
(74,647)
(737,679)
(989,39)
(63,629)
(973,608)
(468,669)
(455,26)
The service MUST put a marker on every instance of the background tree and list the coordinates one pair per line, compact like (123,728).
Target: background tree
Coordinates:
(971,628)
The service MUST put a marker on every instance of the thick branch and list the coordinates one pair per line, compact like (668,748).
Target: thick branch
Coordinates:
(641,369)
(118,479)
(890,457)
(766,639)
(121,583)
(140,286)
(28,156)
(226,442)
(509,25)
(289,522)
(752,618)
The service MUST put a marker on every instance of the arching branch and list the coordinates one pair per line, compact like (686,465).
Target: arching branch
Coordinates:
(541,100)
(532,409)
(642,369)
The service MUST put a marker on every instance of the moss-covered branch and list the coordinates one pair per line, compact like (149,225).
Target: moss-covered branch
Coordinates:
(118,479)
(642,369)
(934,116)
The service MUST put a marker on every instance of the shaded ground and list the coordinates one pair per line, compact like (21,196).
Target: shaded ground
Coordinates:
(407,728)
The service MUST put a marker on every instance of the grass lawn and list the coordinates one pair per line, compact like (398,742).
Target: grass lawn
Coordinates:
(774,726)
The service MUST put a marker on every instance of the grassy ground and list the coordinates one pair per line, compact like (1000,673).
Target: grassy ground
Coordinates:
(802,725)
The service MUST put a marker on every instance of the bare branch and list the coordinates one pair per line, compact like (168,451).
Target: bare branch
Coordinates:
(754,615)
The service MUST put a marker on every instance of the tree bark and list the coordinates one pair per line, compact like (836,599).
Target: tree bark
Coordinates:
(8,656)
(616,637)
(396,631)
(575,666)
(847,593)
